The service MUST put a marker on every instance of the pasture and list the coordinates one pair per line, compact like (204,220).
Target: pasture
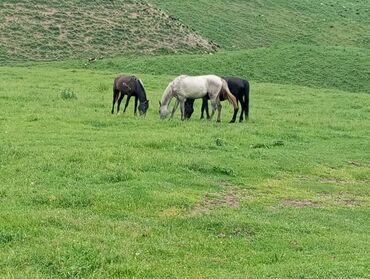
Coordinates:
(88,194)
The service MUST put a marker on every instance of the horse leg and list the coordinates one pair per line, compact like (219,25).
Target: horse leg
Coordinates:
(182,108)
(135,108)
(115,97)
(234,115)
(119,101)
(241,115)
(215,104)
(175,107)
(241,118)
(204,104)
(219,112)
(127,102)
(206,107)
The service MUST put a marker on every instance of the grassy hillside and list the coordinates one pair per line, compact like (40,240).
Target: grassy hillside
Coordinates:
(55,30)
(85,194)
(313,43)
(313,66)
(307,43)
(250,24)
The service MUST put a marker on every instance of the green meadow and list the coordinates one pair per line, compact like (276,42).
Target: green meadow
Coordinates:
(88,194)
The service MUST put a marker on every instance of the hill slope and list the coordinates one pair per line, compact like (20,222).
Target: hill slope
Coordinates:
(286,64)
(54,30)
(250,24)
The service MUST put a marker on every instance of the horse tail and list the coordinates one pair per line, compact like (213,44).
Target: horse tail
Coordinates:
(246,98)
(228,95)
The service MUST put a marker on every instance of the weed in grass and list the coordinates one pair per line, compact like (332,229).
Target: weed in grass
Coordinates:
(220,142)
(103,88)
(268,145)
(68,94)
(6,237)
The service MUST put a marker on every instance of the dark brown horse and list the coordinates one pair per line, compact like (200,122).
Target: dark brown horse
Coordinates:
(130,86)
(238,87)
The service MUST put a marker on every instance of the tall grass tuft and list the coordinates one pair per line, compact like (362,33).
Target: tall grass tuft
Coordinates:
(68,94)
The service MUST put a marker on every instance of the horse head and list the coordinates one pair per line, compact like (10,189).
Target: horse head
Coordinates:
(143,107)
(163,111)
(189,109)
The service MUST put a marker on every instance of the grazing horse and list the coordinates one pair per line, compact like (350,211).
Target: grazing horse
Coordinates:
(238,87)
(130,86)
(194,87)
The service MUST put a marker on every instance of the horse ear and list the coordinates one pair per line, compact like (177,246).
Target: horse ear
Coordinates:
(159,103)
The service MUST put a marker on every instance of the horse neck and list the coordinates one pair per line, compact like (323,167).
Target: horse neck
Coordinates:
(167,96)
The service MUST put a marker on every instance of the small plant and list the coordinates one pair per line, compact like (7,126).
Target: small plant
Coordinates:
(68,94)
(223,170)
(220,142)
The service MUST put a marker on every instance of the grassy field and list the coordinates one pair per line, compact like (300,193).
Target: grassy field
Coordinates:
(300,64)
(87,194)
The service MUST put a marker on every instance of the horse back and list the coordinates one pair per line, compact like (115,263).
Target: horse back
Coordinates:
(214,84)
(130,81)
(191,86)
(239,87)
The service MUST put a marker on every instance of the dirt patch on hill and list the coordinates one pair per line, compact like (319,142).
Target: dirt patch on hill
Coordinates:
(230,197)
(358,164)
(298,203)
(211,202)
(58,30)
(340,198)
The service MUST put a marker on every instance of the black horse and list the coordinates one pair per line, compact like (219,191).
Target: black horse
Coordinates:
(238,87)
(130,86)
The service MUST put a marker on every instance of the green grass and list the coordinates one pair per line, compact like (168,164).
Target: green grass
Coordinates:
(87,194)
(251,24)
(300,64)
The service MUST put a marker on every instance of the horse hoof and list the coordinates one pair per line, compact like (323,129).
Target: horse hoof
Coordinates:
(232,121)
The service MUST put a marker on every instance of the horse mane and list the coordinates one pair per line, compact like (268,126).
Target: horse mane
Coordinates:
(141,85)
(167,95)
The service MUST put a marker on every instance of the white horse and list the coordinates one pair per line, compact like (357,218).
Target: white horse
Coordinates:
(194,87)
